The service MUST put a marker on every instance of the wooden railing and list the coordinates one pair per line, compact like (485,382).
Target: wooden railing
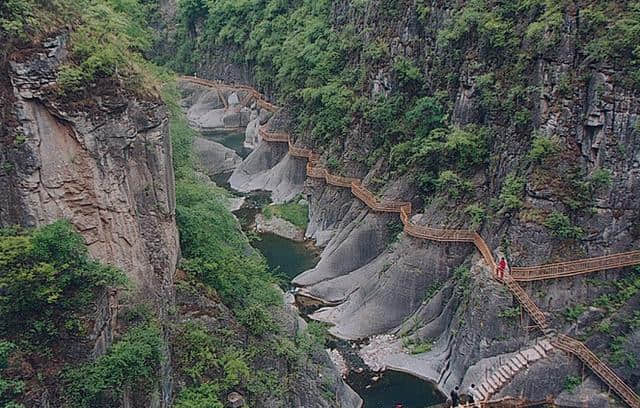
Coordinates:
(219,86)
(572,268)
(453,235)
(607,375)
(527,303)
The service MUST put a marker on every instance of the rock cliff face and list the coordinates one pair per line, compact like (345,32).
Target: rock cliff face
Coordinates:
(104,165)
(101,160)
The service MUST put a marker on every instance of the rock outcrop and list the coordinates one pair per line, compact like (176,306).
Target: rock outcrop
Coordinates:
(214,157)
(280,227)
(209,110)
(252,136)
(104,163)
(270,168)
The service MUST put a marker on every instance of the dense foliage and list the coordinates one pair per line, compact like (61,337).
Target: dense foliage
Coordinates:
(48,287)
(47,281)
(131,364)
(107,37)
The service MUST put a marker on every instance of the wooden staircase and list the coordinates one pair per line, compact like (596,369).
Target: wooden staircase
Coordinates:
(578,349)
(518,362)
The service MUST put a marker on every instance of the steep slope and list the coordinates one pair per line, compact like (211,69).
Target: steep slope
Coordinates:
(104,163)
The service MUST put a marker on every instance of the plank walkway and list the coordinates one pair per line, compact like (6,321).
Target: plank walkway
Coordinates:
(511,279)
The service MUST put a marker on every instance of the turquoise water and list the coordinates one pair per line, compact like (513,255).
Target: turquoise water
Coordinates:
(395,388)
(285,257)
(233,140)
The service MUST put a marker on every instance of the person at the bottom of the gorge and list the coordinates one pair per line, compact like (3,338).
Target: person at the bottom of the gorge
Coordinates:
(471,394)
(455,398)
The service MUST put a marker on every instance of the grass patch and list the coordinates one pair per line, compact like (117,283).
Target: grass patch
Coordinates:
(510,313)
(418,346)
(571,382)
(571,314)
(295,213)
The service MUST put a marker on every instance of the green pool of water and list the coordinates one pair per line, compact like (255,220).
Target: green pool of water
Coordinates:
(233,140)
(395,388)
(287,258)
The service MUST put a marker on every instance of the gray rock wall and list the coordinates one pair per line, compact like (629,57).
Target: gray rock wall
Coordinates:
(270,168)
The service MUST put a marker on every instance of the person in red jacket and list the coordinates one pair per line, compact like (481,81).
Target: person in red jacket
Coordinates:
(502,266)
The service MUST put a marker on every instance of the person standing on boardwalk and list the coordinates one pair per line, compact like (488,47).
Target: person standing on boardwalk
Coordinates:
(455,398)
(502,266)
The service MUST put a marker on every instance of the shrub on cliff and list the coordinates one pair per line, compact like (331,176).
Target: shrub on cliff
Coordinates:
(562,227)
(132,363)
(47,280)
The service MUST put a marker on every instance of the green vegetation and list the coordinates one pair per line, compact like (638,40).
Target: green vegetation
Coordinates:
(634,320)
(571,314)
(408,75)
(108,39)
(510,313)
(212,363)
(131,363)
(452,184)
(561,226)
(510,198)
(443,156)
(571,382)
(621,354)
(47,280)
(617,326)
(394,228)
(604,327)
(48,288)
(542,148)
(417,346)
(201,396)
(581,190)
(477,214)
(9,388)
(462,276)
(432,290)
(622,291)
(295,213)
(606,31)
(108,43)
(215,366)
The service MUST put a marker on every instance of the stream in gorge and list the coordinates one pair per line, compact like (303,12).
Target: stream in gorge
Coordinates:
(288,259)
